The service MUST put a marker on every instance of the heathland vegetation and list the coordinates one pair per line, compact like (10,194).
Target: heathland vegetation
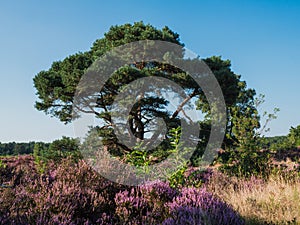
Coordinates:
(252,180)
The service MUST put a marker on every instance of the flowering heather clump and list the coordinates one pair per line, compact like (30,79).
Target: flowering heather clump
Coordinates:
(146,203)
(131,206)
(159,203)
(73,193)
(158,190)
(197,206)
(17,170)
(68,193)
(195,177)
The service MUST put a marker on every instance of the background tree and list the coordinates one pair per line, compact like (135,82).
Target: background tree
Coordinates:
(294,136)
(58,149)
(63,147)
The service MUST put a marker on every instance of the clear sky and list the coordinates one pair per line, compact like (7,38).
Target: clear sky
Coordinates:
(261,38)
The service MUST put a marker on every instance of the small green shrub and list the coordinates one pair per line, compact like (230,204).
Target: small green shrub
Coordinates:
(248,163)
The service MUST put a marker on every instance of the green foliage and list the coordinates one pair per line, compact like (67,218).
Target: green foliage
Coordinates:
(273,143)
(139,157)
(245,156)
(13,148)
(2,164)
(40,156)
(56,86)
(282,143)
(142,159)
(57,150)
(63,148)
(294,136)
(248,163)
(175,134)
(177,178)
(242,116)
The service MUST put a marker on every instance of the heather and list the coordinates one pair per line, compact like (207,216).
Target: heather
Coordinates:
(71,192)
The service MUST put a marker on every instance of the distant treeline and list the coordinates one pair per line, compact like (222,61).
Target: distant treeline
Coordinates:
(290,141)
(273,143)
(13,148)
(67,145)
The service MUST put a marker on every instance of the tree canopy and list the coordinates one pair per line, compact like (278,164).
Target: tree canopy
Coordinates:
(57,85)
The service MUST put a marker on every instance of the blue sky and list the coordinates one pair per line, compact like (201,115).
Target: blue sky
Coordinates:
(261,38)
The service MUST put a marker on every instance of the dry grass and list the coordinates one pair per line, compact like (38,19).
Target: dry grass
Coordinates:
(273,202)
